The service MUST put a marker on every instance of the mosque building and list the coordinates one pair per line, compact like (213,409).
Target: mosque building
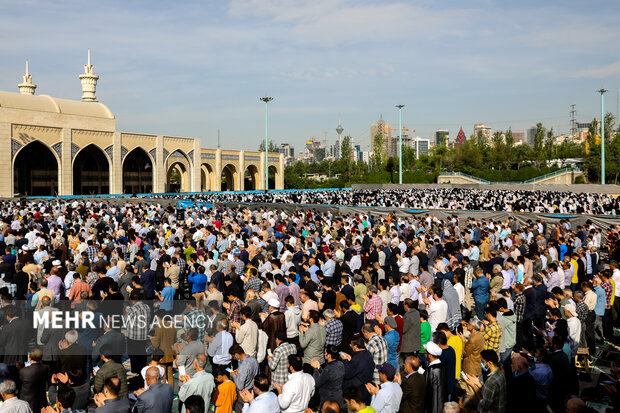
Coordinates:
(61,147)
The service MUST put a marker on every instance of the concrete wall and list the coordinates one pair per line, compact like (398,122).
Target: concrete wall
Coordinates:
(565,178)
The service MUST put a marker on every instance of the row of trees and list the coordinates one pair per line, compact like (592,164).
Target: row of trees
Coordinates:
(498,159)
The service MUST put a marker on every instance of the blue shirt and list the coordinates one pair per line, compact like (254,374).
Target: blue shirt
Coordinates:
(563,250)
(599,309)
(114,273)
(392,339)
(167,294)
(474,254)
(387,400)
(312,270)
(480,288)
(199,281)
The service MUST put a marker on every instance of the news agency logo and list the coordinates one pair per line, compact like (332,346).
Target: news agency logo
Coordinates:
(88,319)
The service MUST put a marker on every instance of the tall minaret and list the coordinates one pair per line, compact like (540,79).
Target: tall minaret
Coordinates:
(339,130)
(27,88)
(89,82)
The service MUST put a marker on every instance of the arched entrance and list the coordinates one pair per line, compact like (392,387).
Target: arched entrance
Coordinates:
(273,177)
(250,178)
(137,172)
(177,178)
(91,172)
(206,178)
(35,171)
(229,177)
(178,172)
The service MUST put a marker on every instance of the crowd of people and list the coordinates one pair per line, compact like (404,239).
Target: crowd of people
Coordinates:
(435,198)
(118,307)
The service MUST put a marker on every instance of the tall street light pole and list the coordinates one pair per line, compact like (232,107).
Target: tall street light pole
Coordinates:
(400,143)
(266,100)
(602,92)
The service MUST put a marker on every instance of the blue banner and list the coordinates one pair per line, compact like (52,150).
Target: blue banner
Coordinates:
(190,204)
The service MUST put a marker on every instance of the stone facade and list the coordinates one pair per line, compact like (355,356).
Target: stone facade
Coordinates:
(52,146)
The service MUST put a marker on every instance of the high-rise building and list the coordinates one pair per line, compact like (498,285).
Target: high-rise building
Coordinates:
(339,131)
(383,129)
(421,146)
(440,134)
(487,132)
(531,133)
(287,150)
(460,138)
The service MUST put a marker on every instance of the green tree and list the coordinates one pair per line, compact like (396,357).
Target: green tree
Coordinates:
(272,146)
(408,158)
(539,140)
(593,155)
(482,144)
(390,166)
(612,166)
(344,163)
(468,156)
(377,150)
(549,149)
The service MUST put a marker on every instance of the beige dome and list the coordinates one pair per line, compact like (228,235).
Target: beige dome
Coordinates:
(44,103)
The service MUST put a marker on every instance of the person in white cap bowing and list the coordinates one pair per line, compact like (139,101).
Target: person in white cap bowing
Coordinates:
(574,326)
(436,381)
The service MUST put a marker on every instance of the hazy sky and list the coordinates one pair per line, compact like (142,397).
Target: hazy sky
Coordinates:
(189,68)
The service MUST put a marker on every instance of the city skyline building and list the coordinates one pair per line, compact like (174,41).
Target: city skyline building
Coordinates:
(487,131)
(440,134)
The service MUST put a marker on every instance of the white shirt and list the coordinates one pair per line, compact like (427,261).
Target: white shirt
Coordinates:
(574,329)
(296,393)
(460,291)
(15,405)
(69,282)
(437,313)
(264,403)
(356,263)
(415,285)
(405,291)
(219,347)
(616,277)
(387,399)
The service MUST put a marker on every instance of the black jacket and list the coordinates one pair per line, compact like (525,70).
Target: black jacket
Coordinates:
(349,328)
(14,338)
(436,388)
(517,388)
(530,303)
(359,371)
(328,381)
(541,296)
(34,380)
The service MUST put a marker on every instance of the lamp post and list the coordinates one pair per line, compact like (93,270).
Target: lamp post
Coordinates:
(266,100)
(400,144)
(602,92)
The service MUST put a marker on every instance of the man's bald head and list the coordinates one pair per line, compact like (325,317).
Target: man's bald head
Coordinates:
(575,405)
(519,364)
(412,364)
(152,375)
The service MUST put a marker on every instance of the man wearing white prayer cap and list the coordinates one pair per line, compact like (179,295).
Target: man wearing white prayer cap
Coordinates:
(436,382)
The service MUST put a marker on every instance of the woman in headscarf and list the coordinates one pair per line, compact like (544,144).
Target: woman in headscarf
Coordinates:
(454,307)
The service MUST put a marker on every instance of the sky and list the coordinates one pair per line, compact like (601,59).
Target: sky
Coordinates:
(189,68)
